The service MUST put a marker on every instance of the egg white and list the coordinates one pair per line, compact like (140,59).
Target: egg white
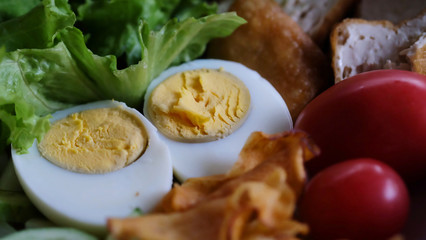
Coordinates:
(86,201)
(268,113)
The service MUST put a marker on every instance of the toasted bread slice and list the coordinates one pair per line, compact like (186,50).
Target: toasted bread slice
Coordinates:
(316,18)
(275,46)
(360,45)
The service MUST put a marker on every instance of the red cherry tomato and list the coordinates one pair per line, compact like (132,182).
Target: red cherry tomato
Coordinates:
(355,199)
(379,114)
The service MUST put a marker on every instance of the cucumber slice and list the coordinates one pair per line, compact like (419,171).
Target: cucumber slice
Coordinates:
(50,234)
(6,229)
(15,207)
(41,222)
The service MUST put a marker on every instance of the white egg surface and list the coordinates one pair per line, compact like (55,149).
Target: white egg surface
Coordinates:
(87,200)
(268,113)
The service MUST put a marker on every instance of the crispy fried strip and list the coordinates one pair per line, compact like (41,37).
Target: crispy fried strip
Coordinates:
(255,200)
(287,150)
(184,196)
(264,207)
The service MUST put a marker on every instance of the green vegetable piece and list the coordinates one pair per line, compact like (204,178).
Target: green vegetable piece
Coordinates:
(15,207)
(194,8)
(22,106)
(23,125)
(6,229)
(41,222)
(11,8)
(37,28)
(137,212)
(8,179)
(50,234)
(110,32)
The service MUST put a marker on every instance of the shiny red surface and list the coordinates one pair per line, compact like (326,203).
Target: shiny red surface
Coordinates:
(355,199)
(379,114)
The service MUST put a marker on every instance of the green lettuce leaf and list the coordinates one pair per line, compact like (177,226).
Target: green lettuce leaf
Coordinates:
(59,70)
(49,79)
(21,125)
(181,41)
(37,28)
(39,82)
(193,8)
(175,42)
(22,108)
(110,32)
(12,8)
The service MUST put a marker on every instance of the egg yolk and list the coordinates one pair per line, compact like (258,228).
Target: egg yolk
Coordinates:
(199,105)
(95,141)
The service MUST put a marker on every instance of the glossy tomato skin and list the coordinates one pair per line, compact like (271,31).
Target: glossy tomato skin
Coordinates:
(379,114)
(355,199)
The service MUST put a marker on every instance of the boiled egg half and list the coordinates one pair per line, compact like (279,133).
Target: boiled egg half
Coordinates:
(206,109)
(85,171)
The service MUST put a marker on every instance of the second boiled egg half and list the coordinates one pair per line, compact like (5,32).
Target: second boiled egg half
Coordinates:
(206,109)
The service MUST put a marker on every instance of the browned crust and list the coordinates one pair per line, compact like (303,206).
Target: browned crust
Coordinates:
(418,60)
(339,35)
(274,45)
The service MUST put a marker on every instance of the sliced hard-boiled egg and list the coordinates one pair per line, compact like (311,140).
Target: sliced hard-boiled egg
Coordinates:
(206,109)
(85,170)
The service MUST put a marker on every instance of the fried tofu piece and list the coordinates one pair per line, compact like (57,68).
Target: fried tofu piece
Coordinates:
(274,45)
(360,45)
(254,202)
(417,55)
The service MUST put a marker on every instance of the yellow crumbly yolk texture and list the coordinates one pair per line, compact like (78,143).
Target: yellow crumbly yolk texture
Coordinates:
(199,105)
(95,141)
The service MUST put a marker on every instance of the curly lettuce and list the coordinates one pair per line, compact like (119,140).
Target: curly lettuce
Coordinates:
(55,59)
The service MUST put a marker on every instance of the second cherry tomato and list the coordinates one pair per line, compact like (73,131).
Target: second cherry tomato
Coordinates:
(358,199)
